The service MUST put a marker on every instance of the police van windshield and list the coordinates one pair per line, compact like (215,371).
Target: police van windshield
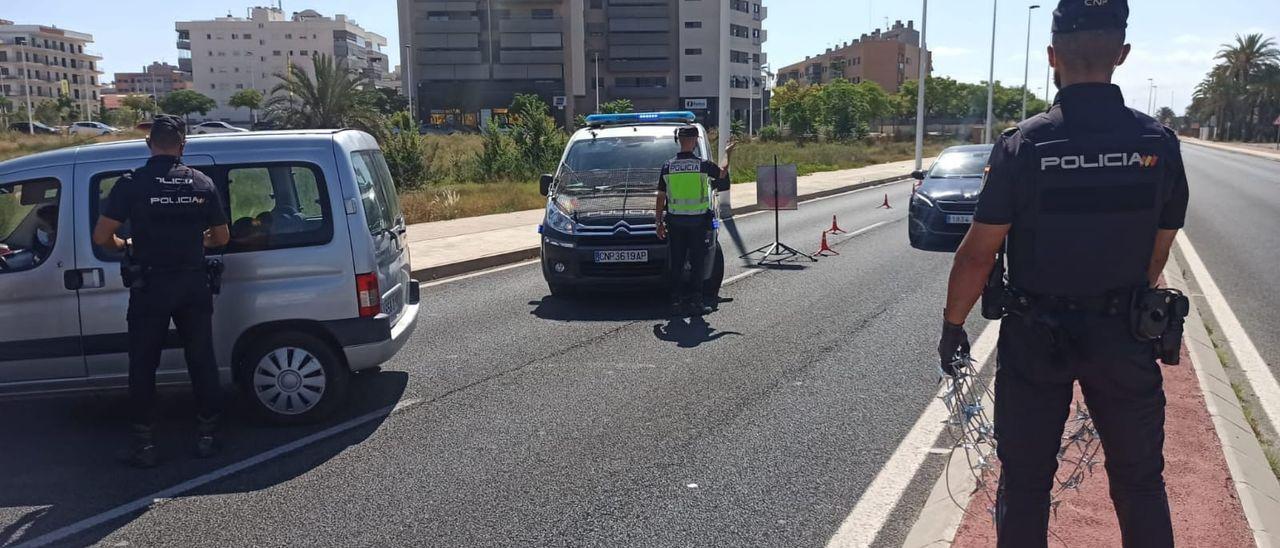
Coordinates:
(643,155)
(956,165)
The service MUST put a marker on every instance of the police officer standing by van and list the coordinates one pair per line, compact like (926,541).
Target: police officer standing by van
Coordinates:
(176,213)
(685,218)
(1089,197)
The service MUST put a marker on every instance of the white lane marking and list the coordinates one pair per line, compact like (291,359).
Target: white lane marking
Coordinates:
(142,503)
(878,501)
(1255,369)
(484,272)
(752,272)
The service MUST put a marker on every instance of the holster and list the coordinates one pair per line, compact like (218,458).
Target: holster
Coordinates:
(1157,316)
(132,274)
(213,269)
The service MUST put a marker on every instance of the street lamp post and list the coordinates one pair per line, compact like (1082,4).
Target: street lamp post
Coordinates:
(1151,93)
(596,84)
(991,78)
(1026,68)
(26,82)
(407,63)
(921,83)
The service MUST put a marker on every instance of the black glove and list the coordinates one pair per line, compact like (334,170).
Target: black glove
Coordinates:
(954,345)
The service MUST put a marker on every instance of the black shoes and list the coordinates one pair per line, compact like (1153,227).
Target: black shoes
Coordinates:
(691,307)
(206,443)
(142,451)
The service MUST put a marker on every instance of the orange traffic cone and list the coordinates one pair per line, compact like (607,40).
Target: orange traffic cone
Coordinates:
(826,250)
(835,228)
(885,205)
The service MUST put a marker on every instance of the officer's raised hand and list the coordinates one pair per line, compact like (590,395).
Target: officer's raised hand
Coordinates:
(953,348)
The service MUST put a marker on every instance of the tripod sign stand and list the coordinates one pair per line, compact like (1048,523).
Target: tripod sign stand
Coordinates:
(777,252)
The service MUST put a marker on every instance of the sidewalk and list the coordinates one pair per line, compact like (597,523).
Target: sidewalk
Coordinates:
(1221,491)
(1260,150)
(448,248)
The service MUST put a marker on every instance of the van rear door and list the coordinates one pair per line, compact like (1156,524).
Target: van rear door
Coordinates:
(386,225)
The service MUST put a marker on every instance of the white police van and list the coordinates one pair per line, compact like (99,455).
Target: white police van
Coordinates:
(317,282)
(600,225)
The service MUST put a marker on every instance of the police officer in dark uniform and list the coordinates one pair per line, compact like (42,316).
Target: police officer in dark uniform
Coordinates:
(684,216)
(1089,197)
(176,213)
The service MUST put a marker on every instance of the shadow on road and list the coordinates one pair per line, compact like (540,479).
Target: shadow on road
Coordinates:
(603,307)
(59,454)
(689,332)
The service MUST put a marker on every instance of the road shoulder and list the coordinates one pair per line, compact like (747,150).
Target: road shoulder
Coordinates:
(1249,151)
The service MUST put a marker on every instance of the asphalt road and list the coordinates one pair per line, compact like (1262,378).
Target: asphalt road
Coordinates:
(526,420)
(1234,224)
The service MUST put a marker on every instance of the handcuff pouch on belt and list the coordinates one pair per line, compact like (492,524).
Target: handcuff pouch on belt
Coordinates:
(1157,316)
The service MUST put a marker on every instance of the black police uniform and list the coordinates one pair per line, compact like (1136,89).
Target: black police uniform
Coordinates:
(689,236)
(170,206)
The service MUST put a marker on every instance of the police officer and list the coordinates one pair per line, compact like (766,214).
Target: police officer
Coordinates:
(1089,196)
(176,213)
(685,218)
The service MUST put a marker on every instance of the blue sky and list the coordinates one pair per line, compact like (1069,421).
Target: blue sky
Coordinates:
(1174,40)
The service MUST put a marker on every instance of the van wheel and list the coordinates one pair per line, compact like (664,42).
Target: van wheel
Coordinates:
(711,287)
(294,378)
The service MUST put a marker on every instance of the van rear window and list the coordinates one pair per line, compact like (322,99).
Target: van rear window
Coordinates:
(377,190)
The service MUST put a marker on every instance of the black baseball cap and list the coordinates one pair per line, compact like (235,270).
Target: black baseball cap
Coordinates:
(1082,15)
(168,128)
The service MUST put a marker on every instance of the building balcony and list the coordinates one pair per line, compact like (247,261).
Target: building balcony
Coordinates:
(642,92)
(184,44)
(644,65)
(531,25)
(764,14)
(531,57)
(449,6)
(449,57)
(449,26)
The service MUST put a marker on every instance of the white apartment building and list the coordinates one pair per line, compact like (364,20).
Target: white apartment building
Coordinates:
(701,36)
(228,54)
(48,61)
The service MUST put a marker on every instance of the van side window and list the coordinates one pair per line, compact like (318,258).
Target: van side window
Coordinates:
(100,187)
(28,223)
(377,191)
(276,206)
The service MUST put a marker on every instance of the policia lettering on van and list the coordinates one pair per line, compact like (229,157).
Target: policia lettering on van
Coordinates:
(685,218)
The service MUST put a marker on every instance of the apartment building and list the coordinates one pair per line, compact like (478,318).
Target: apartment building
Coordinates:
(228,54)
(466,60)
(47,61)
(888,58)
(157,80)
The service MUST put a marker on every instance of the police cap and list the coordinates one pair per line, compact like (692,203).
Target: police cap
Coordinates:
(168,129)
(1082,15)
(687,131)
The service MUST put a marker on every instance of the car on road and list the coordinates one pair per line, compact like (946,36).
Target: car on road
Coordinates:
(36,127)
(92,128)
(600,229)
(946,195)
(205,128)
(317,277)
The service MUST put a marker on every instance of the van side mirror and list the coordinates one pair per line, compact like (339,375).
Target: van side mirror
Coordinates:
(544,184)
(917,174)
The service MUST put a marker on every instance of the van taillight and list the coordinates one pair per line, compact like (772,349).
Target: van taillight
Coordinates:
(368,298)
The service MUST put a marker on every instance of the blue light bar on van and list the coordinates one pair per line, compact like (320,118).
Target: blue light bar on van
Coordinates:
(684,117)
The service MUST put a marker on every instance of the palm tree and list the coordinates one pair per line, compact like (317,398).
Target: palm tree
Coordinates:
(329,100)
(1242,62)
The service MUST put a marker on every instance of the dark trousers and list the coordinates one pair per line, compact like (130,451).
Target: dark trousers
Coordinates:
(185,298)
(690,244)
(1123,389)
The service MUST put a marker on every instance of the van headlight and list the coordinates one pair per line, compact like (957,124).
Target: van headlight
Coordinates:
(558,220)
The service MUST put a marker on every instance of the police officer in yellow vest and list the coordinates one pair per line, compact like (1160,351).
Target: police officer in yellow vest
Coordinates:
(685,218)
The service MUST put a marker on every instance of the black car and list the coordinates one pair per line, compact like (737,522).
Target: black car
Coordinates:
(40,129)
(945,196)
(599,231)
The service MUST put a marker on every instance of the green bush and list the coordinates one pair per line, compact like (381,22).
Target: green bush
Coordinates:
(770,134)
(497,157)
(535,134)
(406,153)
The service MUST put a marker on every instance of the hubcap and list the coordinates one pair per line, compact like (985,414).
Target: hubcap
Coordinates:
(289,381)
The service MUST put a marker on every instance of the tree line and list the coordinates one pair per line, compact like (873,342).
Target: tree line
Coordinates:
(841,109)
(1241,94)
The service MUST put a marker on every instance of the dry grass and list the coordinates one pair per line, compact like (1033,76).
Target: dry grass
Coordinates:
(13,144)
(447,202)
(819,157)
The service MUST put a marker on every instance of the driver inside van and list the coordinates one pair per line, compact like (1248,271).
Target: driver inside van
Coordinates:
(46,232)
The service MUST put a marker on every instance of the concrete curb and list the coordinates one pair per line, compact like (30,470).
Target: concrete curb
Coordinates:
(450,270)
(1275,157)
(940,518)
(1256,485)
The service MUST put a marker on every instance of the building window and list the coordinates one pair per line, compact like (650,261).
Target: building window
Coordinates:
(693,51)
(303,53)
(288,37)
(213,86)
(235,36)
(239,86)
(693,24)
(248,36)
(276,53)
(693,78)
(541,13)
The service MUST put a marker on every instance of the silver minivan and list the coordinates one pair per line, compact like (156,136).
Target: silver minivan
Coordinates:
(317,282)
